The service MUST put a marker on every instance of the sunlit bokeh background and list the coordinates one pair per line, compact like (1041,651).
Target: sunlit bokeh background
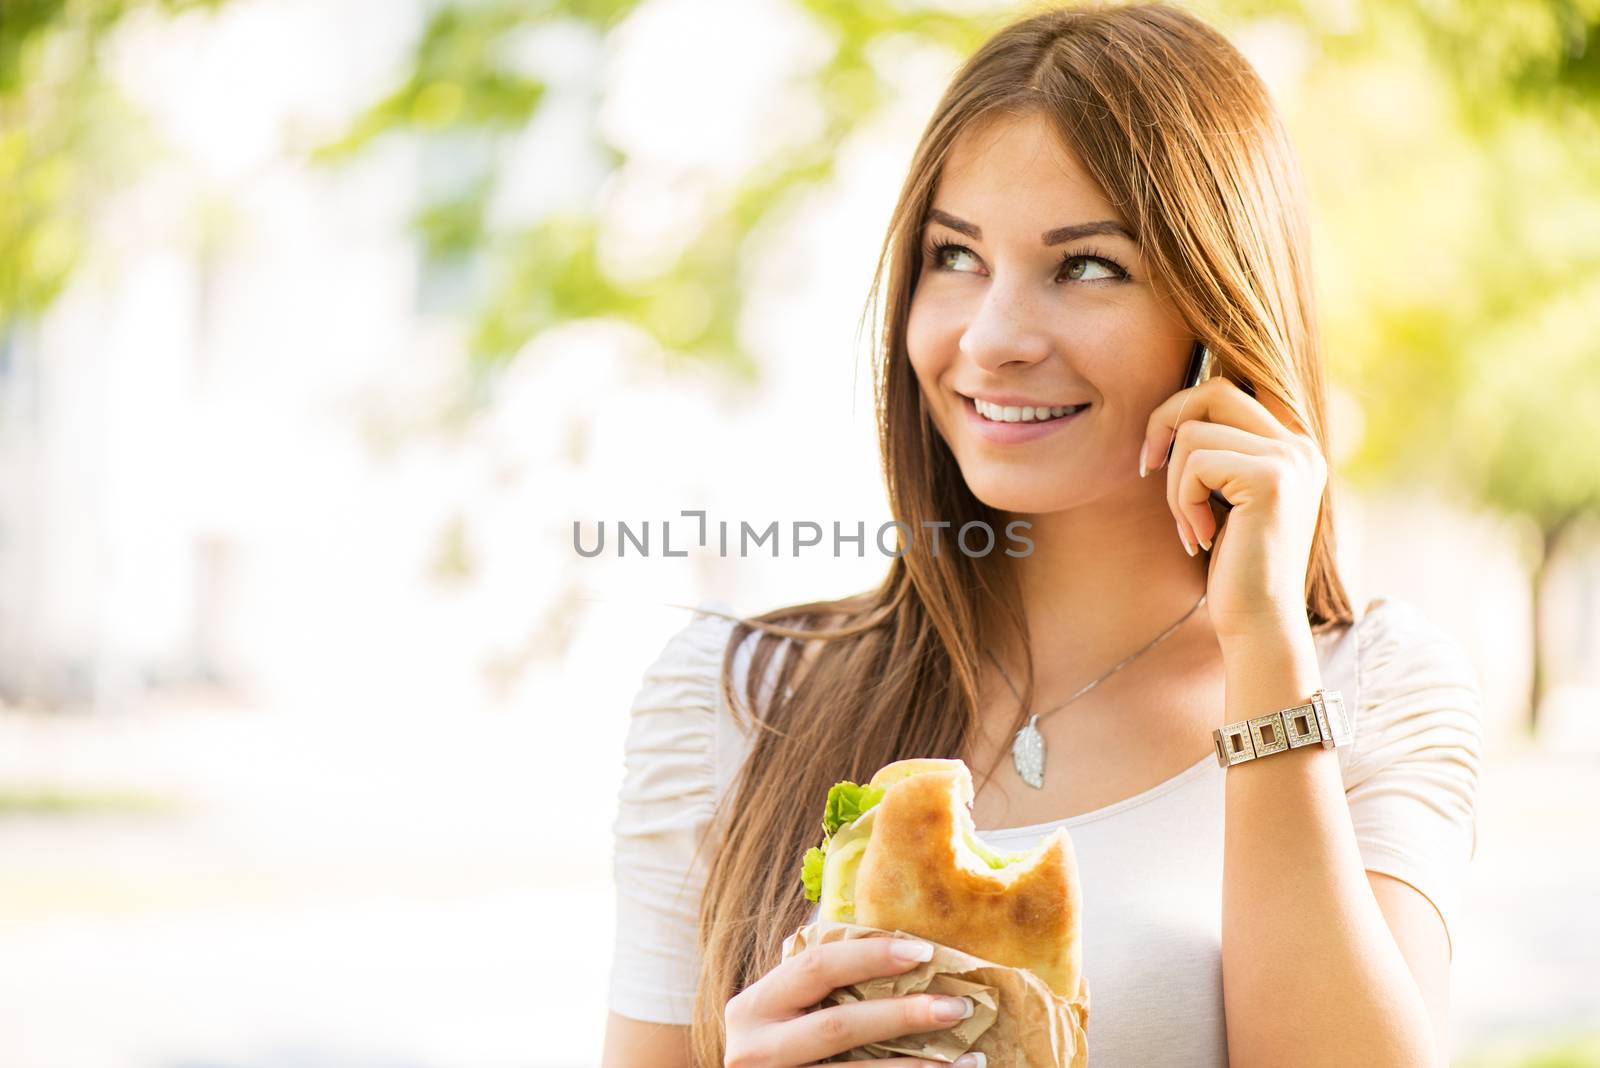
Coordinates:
(323,321)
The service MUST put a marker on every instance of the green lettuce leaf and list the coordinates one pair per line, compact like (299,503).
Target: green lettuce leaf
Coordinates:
(846,801)
(811,872)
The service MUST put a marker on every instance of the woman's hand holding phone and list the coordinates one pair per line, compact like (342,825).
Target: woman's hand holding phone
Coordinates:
(1201,368)
(1220,438)
(771,1023)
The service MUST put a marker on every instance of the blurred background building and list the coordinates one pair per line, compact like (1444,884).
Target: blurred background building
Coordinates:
(322,323)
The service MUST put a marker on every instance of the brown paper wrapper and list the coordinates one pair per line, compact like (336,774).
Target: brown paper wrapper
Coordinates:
(1017,1021)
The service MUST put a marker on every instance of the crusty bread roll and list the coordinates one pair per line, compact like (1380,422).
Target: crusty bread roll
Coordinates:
(924,872)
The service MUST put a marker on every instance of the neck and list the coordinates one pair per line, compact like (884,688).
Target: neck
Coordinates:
(1104,579)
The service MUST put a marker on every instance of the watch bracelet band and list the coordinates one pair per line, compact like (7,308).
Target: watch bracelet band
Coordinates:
(1322,721)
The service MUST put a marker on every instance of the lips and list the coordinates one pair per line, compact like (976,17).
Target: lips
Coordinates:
(1002,432)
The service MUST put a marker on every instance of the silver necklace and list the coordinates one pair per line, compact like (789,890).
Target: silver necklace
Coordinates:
(1027,748)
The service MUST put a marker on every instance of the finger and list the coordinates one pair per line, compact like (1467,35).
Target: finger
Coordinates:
(825,1032)
(1194,435)
(1280,411)
(810,975)
(1215,400)
(1237,475)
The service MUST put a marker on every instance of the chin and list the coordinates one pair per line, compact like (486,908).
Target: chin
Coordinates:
(1024,493)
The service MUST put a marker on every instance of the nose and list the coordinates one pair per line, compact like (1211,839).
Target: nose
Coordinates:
(1008,329)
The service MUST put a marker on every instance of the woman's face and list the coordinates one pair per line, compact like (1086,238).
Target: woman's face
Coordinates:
(1004,320)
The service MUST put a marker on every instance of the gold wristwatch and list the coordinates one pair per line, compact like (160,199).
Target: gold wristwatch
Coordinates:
(1322,720)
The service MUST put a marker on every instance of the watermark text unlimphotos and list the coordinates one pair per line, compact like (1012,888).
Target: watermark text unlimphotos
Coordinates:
(892,539)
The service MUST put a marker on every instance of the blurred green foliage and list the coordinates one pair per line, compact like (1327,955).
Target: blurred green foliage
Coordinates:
(549,272)
(1452,149)
(1572,1053)
(18,801)
(66,138)
(458,77)
(1453,154)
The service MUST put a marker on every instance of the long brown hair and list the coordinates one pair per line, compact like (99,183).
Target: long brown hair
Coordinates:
(1180,133)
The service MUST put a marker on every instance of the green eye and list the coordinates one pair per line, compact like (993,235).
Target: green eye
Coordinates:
(1077,265)
(938,252)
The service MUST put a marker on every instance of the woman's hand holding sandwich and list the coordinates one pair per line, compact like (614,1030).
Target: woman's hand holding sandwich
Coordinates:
(769,1024)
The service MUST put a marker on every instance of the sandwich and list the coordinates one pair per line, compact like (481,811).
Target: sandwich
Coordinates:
(901,853)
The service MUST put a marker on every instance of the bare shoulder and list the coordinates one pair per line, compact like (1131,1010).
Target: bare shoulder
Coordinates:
(631,1042)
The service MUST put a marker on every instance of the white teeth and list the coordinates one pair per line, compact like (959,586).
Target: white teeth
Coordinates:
(1013,414)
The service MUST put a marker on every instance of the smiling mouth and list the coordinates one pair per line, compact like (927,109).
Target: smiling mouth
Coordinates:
(996,413)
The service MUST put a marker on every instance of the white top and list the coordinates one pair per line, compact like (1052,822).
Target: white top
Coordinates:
(1150,865)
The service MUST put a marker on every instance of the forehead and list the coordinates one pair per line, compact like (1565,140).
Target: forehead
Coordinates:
(1018,163)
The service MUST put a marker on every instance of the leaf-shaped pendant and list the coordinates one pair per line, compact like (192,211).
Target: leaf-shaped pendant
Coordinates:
(1027,753)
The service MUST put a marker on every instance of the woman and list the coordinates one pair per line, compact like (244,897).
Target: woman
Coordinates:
(1099,189)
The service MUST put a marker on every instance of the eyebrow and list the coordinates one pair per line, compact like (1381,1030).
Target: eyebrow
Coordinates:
(1060,235)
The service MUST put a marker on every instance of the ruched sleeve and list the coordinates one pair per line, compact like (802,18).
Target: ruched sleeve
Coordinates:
(1412,778)
(663,810)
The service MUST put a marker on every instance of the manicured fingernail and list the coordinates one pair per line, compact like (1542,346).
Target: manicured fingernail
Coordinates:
(1184,538)
(1141,459)
(952,1008)
(1205,543)
(908,949)
(971,1060)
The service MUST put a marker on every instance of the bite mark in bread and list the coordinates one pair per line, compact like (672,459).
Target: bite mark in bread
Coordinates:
(924,871)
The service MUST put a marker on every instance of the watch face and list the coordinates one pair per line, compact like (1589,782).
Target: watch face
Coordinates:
(1338,720)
